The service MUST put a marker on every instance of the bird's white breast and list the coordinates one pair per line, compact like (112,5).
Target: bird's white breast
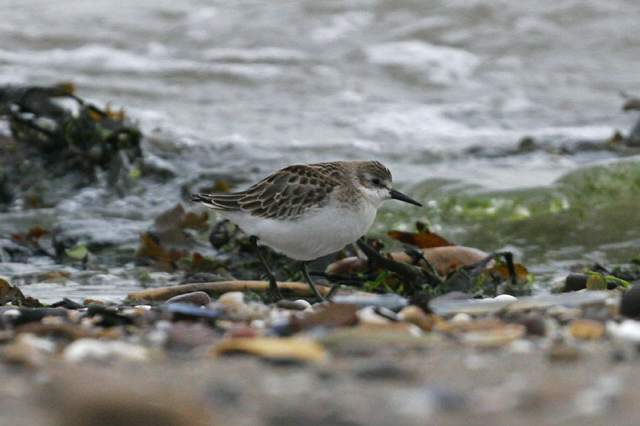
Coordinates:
(315,234)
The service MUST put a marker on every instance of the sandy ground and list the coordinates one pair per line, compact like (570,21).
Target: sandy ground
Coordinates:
(441,383)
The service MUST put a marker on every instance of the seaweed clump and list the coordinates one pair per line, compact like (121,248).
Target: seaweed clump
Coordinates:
(54,134)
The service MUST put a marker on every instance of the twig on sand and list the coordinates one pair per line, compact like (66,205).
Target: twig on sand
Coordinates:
(219,287)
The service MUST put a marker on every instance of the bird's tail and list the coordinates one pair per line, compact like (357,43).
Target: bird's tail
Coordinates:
(226,202)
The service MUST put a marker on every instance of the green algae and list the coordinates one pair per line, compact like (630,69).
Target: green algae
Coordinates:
(589,214)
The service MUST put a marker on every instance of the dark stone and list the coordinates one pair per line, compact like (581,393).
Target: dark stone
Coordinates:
(28,315)
(67,304)
(109,317)
(534,325)
(390,301)
(292,305)
(384,371)
(630,302)
(187,311)
(198,298)
(447,399)
(575,282)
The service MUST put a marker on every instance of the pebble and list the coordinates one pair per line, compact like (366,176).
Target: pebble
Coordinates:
(189,311)
(585,329)
(390,301)
(414,315)
(29,350)
(575,282)
(493,337)
(143,307)
(627,330)
(83,350)
(198,298)
(534,324)
(294,305)
(304,303)
(561,351)
(232,299)
(384,371)
(368,315)
(461,318)
(630,302)
(505,298)
(11,313)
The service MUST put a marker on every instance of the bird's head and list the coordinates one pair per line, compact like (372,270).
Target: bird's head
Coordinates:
(374,181)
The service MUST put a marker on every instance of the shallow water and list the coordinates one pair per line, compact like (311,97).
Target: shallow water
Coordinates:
(243,87)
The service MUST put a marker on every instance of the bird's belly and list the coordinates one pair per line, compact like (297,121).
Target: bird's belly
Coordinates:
(314,235)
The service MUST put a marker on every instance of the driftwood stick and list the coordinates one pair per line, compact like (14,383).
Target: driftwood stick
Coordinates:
(219,287)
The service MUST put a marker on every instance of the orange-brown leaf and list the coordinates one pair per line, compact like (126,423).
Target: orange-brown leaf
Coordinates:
(422,239)
(195,221)
(36,232)
(151,249)
(503,272)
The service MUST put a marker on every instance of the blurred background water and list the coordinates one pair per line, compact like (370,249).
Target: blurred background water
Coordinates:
(243,87)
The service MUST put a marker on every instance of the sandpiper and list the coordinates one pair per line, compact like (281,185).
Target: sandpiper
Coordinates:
(307,211)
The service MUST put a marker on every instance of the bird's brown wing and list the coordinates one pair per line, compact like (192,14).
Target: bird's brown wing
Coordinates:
(287,193)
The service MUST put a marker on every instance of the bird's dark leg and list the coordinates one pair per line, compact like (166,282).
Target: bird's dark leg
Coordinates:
(274,291)
(307,277)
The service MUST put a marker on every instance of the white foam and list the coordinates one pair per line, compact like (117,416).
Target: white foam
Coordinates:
(435,64)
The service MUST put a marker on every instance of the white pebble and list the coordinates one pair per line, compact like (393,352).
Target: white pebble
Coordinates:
(38,343)
(461,318)
(521,346)
(11,313)
(304,303)
(627,330)
(232,299)
(505,298)
(368,315)
(97,350)
(143,307)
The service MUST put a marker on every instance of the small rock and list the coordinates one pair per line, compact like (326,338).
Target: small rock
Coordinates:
(293,305)
(232,299)
(390,301)
(630,302)
(142,307)
(585,329)
(368,315)
(534,324)
(303,302)
(414,315)
(461,318)
(276,349)
(505,298)
(628,330)
(575,282)
(97,350)
(192,312)
(242,330)
(29,350)
(560,351)
(11,313)
(186,335)
(493,337)
(198,298)
(384,371)
(330,316)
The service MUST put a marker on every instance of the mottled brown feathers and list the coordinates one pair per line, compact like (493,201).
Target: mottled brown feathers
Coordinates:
(287,193)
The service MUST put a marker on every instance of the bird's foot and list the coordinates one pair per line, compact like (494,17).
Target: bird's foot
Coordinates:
(274,290)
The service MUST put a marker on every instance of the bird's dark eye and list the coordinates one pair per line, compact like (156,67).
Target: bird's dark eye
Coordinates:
(376,181)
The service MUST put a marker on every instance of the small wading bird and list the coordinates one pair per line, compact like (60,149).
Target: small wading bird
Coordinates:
(308,211)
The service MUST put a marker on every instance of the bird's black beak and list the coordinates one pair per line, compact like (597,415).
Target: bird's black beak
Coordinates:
(397,195)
